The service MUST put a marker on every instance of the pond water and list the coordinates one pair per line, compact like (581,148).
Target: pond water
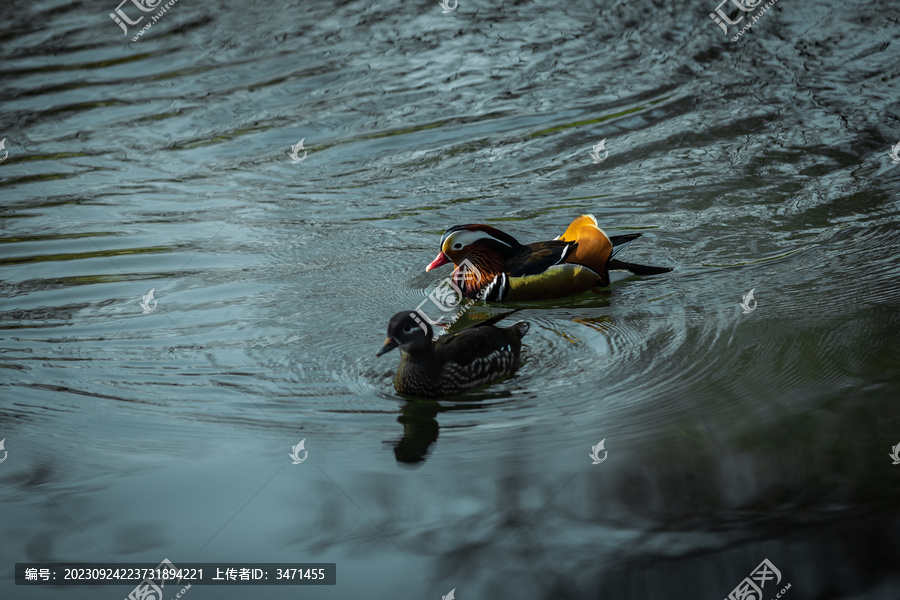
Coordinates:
(731,437)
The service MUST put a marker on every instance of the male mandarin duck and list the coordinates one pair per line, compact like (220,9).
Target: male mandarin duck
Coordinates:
(494,266)
(456,362)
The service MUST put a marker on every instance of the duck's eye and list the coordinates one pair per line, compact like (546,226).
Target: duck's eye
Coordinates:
(408,329)
(457,246)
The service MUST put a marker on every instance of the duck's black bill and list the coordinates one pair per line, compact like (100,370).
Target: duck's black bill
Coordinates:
(389,344)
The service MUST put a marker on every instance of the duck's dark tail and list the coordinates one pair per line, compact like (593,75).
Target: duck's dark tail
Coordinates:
(636,269)
(519,329)
(618,243)
(618,240)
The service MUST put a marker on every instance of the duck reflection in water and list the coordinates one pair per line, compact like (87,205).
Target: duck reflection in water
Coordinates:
(420,425)
(420,430)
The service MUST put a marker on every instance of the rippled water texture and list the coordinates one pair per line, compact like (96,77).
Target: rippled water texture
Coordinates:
(164,164)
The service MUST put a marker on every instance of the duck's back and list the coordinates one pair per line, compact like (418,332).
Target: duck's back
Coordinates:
(475,357)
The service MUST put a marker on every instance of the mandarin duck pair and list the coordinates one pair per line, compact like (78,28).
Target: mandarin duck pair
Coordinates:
(493,266)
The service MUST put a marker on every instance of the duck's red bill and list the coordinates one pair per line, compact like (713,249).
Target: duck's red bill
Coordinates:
(442,259)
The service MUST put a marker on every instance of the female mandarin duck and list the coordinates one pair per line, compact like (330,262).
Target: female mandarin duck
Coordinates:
(494,266)
(456,362)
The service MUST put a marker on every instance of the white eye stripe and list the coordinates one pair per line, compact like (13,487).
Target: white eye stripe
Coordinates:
(466,237)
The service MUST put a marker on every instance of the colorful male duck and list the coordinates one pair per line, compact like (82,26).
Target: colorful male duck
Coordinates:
(455,363)
(499,268)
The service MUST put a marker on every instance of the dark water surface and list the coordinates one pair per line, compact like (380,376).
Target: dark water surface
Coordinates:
(759,164)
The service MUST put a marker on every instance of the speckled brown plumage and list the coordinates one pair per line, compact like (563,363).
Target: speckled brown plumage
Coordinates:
(455,363)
